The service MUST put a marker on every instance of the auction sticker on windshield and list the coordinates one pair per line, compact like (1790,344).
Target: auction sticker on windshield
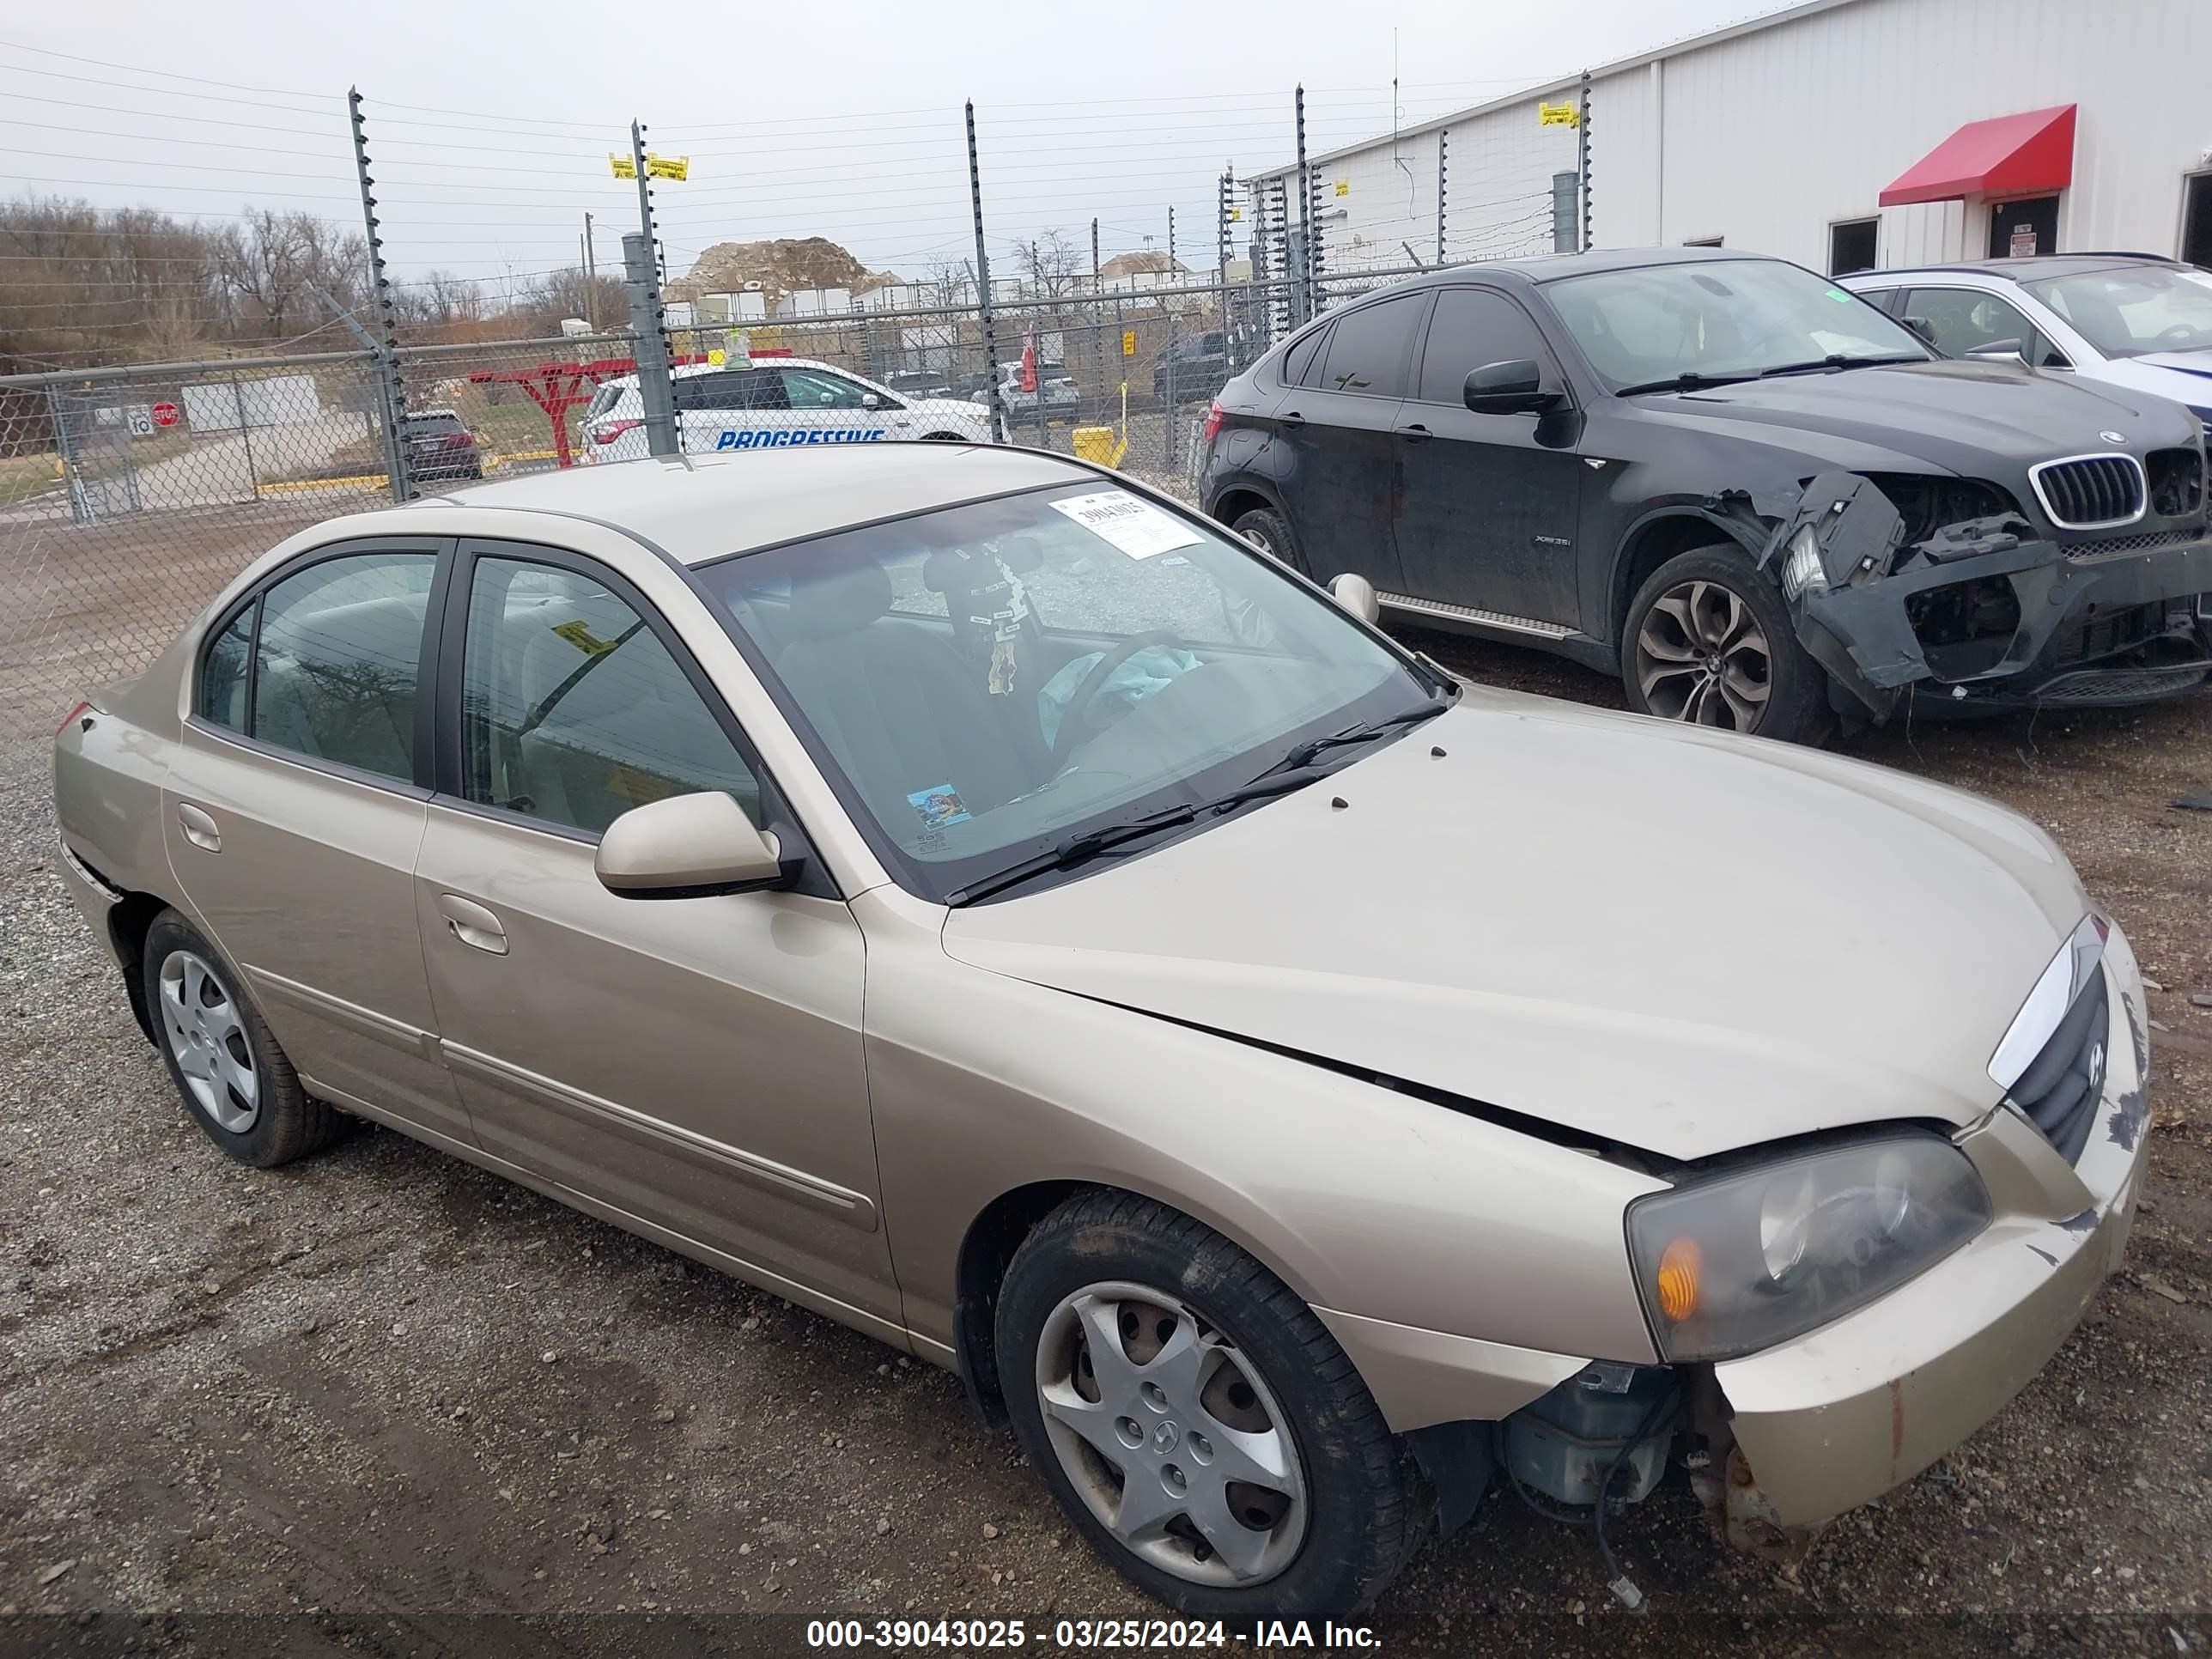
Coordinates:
(1137,527)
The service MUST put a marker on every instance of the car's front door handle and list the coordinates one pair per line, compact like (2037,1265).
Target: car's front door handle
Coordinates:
(1415,434)
(1291,419)
(472,924)
(199,829)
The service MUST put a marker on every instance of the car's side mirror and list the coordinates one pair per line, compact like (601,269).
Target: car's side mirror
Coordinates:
(869,400)
(1998,351)
(1357,595)
(1923,327)
(1515,387)
(687,846)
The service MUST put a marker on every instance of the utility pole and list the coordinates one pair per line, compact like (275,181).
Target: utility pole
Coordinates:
(391,393)
(983,285)
(647,319)
(591,278)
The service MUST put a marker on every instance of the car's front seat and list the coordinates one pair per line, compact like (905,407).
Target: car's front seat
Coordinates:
(903,714)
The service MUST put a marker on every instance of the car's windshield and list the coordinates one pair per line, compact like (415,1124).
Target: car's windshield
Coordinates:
(985,682)
(2130,311)
(1719,319)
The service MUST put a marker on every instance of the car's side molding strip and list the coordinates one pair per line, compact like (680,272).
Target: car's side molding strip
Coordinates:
(1468,613)
(365,1022)
(855,1210)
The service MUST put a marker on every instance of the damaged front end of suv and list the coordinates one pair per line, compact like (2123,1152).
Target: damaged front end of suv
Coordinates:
(1949,589)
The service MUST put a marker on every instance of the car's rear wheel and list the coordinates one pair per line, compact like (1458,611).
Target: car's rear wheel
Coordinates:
(1197,1422)
(1707,642)
(235,1080)
(1269,532)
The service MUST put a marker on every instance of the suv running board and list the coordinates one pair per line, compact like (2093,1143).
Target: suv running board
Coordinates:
(1468,614)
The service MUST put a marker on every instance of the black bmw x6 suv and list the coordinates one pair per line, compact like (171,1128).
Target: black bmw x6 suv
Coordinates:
(1758,499)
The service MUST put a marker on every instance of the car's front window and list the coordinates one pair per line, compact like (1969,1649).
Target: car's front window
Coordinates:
(1720,319)
(986,681)
(2132,312)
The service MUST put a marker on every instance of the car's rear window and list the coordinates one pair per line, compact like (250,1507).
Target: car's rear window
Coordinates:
(418,426)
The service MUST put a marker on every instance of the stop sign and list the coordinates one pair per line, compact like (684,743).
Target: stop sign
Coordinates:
(164,414)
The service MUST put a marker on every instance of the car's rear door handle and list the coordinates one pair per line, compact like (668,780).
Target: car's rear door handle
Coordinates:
(472,924)
(1290,418)
(1415,434)
(199,829)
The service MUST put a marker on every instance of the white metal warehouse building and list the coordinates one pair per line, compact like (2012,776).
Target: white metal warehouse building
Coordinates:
(1838,133)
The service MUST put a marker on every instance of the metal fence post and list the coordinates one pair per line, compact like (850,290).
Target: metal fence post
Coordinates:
(1168,435)
(983,281)
(391,391)
(647,318)
(1582,158)
(1306,263)
(1099,332)
(80,504)
(654,387)
(246,437)
(1443,146)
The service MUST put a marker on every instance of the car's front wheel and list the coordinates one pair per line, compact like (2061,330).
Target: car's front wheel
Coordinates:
(1195,1419)
(235,1081)
(1708,641)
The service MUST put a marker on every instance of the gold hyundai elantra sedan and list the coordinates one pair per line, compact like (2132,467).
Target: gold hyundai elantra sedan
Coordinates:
(967,894)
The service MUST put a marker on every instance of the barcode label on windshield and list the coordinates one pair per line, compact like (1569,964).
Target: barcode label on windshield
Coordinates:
(1137,527)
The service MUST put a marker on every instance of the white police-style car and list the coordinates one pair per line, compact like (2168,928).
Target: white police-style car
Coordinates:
(774,402)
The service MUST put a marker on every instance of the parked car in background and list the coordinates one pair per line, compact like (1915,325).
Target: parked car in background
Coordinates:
(921,383)
(440,445)
(1195,365)
(2127,319)
(887,875)
(1055,391)
(1760,499)
(773,403)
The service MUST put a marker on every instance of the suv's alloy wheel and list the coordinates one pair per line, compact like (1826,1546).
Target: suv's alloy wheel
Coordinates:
(1707,642)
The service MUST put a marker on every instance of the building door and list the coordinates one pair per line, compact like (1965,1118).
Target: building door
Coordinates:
(2020,229)
(2197,220)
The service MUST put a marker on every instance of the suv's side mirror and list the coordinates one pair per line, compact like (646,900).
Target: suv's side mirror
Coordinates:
(687,846)
(869,400)
(1515,387)
(1998,351)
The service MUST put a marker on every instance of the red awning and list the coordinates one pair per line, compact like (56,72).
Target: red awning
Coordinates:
(2011,155)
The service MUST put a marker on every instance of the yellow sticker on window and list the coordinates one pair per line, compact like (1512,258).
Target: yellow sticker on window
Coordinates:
(578,635)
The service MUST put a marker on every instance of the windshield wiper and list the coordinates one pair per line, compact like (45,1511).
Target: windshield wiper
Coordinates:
(1840,360)
(1688,380)
(1073,851)
(1312,750)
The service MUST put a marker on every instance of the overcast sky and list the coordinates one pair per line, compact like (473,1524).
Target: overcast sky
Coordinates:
(490,120)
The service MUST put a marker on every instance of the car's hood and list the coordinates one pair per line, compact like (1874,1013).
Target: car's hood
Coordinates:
(2184,376)
(1955,415)
(1672,938)
(953,408)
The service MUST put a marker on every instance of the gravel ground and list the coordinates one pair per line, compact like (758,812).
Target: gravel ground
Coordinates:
(383,1403)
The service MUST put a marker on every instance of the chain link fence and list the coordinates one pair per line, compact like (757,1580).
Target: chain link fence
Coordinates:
(130,496)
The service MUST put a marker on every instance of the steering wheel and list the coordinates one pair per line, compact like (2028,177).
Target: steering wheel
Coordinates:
(1075,723)
(2181,336)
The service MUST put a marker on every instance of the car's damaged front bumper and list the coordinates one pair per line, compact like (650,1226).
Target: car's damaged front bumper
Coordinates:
(1988,613)
(1841,1415)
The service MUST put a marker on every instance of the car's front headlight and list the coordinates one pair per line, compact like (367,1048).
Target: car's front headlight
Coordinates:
(1732,1263)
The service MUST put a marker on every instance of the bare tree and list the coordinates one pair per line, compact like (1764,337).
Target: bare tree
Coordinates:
(1053,266)
(270,264)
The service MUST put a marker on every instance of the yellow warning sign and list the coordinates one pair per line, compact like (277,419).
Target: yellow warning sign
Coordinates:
(1128,343)
(1558,115)
(1344,187)
(677,167)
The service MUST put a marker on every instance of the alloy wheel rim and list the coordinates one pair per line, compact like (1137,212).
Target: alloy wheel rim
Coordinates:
(1702,658)
(1170,1437)
(207,1039)
(1259,539)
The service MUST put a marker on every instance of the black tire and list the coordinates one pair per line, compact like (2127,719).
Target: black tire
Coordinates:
(1270,531)
(1359,1526)
(286,1122)
(1794,706)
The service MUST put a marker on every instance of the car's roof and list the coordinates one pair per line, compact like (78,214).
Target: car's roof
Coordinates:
(685,371)
(1553,267)
(2031,269)
(699,507)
